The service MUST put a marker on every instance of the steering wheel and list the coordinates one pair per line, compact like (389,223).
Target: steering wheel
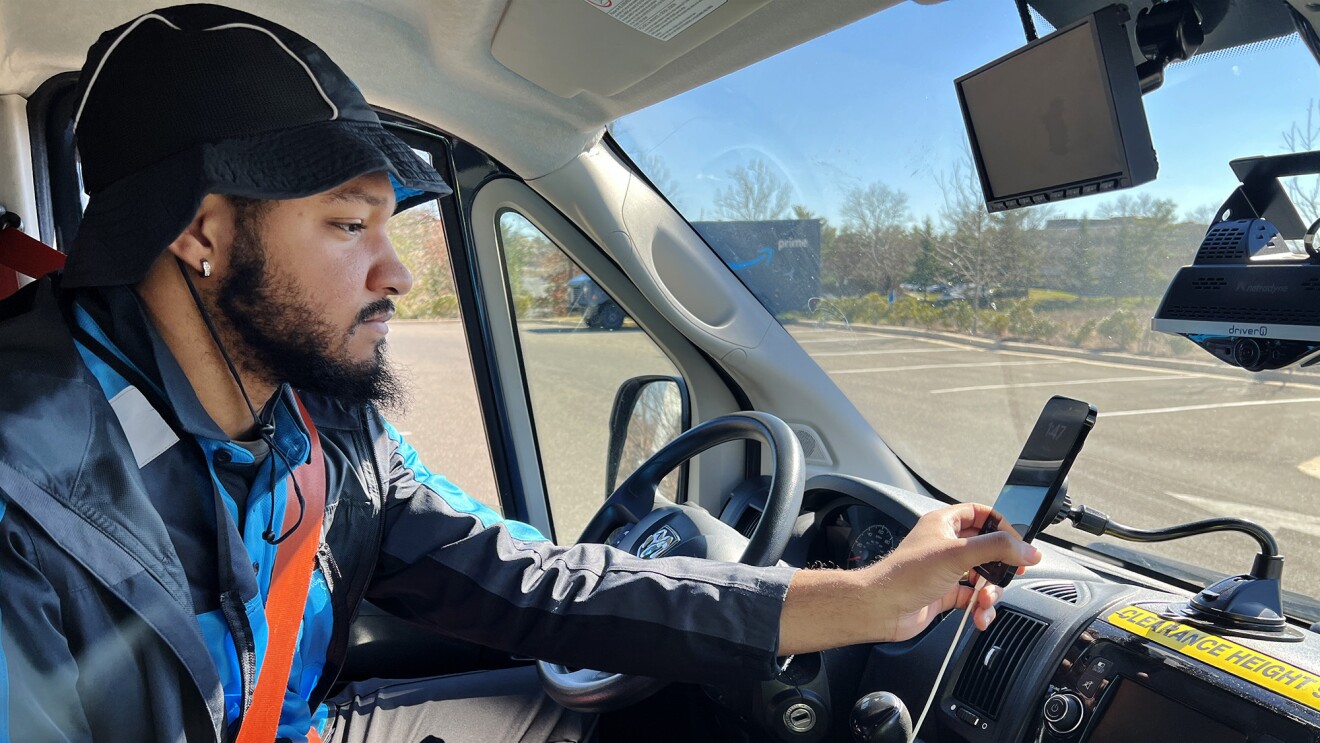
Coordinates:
(636,518)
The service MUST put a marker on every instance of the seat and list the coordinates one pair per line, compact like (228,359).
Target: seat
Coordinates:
(22,256)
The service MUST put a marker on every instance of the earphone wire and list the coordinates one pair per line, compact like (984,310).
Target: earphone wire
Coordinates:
(265,431)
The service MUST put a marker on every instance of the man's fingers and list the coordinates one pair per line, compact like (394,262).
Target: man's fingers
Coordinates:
(962,595)
(971,516)
(1002,547)
(984,611)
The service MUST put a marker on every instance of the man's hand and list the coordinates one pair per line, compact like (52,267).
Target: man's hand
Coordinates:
(921,579)
(897,597)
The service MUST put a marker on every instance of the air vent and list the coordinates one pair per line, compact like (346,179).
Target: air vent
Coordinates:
(1222,244)
(1210,282)
(748,521)
(995,657)
(1297,316)
(1061,591)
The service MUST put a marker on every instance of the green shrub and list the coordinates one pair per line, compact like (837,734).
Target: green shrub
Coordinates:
(958,315)
(996,321)
(1082,333)
(1122,328)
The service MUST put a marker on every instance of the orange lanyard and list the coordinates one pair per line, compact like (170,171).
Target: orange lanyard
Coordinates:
(287,598)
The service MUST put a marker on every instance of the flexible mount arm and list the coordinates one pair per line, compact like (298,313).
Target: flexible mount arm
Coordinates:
(1268,564)
(1095,522)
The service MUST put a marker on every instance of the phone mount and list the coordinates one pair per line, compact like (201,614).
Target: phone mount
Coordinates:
(1248,605)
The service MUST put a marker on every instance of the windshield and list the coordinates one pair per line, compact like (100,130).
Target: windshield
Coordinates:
(845,161)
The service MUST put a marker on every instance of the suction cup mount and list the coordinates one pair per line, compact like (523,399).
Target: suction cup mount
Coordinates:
(1248,605)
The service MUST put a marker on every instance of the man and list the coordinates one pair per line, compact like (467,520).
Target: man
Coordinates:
(218,335)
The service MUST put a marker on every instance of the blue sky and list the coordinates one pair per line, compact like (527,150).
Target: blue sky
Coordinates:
(875,101)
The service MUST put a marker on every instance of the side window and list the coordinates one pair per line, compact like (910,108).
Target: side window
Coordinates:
(578,348)
(442,419)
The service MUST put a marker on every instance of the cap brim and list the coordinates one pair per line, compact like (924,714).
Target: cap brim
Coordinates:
(127,224)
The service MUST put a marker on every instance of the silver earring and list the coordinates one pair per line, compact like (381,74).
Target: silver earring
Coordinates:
(206,269)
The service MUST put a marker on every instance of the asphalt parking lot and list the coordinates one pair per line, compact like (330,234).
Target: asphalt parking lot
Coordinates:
(1170,445)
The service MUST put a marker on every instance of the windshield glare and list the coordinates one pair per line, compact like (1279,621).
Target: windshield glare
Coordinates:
(845,164)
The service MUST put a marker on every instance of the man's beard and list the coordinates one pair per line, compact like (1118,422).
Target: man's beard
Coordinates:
(275,333)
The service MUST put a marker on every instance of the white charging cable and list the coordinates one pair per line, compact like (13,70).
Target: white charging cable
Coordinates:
(939,677)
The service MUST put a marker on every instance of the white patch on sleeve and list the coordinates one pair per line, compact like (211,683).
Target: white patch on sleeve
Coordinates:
(148,434)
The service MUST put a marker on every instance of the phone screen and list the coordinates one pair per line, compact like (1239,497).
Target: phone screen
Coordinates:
(1019,504)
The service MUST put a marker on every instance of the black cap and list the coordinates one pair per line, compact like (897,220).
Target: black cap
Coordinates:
(197,99)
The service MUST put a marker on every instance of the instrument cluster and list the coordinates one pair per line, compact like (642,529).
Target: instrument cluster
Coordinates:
(853,535)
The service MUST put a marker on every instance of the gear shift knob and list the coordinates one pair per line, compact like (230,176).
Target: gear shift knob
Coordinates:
(880,717)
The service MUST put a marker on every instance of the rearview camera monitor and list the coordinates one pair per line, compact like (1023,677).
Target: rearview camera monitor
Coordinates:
(1059,118)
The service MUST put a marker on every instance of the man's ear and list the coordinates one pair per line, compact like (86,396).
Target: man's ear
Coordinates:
(207,238)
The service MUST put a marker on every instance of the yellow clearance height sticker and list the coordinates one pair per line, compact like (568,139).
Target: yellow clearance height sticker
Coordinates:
(1226,655)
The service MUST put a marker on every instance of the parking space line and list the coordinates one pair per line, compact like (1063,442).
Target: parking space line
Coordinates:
(1310,467)
(1209,374)
(932,341)
(873,335)
(1273,519)
(805,338)
(920,367)
(885,351)
(1210,406)
(1022,385)
(845,339)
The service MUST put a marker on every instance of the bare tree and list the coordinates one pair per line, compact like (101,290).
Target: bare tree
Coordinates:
(756,193)
(1202,215)
(1142,242)
(1019,242)
(1299,137)
(968,245)
(875,241)
(654,167)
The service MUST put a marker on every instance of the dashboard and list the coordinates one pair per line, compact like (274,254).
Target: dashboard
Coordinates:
(1081,650)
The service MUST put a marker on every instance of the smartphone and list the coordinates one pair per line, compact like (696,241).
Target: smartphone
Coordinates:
(1034,488)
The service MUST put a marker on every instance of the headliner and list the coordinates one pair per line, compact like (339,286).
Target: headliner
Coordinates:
(532,82)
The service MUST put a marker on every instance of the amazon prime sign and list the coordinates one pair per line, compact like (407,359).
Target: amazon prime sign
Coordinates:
(778,260)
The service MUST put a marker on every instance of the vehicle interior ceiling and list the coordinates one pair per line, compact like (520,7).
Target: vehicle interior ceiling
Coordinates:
(534,83)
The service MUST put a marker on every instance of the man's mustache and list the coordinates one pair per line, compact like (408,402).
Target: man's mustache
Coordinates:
(379,307)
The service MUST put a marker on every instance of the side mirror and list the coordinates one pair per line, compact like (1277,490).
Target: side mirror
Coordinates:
(649,412)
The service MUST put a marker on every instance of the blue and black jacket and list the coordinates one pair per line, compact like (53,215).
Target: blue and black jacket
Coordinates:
(133,582)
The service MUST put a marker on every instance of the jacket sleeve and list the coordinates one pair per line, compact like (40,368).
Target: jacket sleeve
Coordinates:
(452,563)
(39,698)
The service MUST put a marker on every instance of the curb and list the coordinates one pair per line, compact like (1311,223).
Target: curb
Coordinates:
(1199,367)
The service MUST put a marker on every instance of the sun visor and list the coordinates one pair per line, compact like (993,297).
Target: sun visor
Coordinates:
(606,46)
